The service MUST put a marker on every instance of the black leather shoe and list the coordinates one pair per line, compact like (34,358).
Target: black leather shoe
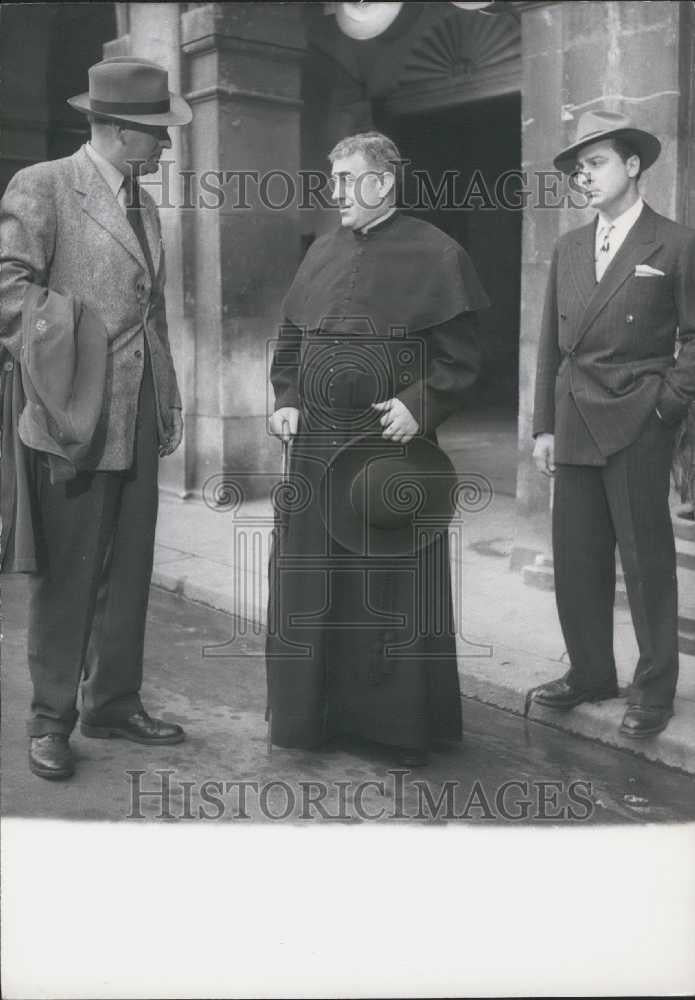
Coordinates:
(563,695)
(138,728)
(50,756)
(640,721)
(408,757)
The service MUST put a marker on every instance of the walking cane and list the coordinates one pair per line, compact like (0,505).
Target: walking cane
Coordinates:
(280,527)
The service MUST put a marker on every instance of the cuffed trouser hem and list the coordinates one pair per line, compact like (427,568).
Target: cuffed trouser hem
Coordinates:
(42,725)
(115,711)
(641,699)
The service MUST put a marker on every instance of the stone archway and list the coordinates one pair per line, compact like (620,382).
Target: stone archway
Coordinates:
(461,58)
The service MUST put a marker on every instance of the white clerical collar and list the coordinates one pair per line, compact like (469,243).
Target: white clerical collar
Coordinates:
(112,175)
(623,222)
(376,222)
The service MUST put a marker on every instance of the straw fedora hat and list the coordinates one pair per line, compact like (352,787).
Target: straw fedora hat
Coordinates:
(383,498)
(132,90)
(593,126)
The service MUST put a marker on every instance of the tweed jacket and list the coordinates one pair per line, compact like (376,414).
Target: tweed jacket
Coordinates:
(606,356)
(62,228)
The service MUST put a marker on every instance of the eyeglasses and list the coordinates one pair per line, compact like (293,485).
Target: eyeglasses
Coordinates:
(348,182)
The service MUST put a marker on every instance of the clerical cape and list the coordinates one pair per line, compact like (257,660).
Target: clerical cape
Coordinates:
(365,645)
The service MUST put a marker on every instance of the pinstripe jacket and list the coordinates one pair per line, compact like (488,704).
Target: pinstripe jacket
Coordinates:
(61,228)
(606,352)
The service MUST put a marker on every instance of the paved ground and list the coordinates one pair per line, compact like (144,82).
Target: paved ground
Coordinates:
(509,635)
(556,778)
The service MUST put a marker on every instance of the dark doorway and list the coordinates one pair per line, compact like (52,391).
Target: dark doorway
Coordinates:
(476,144)
(45,52)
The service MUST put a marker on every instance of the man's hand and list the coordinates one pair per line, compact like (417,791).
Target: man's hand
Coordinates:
(398,422)
(285,413)
(176,434)
(544,454)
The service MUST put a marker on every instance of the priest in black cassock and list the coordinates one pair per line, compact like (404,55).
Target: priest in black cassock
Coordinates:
(380,337)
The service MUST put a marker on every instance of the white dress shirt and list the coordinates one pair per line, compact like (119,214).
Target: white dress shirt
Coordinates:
(616,230)
(112,175)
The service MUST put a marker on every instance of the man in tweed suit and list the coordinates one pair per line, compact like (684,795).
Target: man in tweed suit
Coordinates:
(80,227)
(609,396)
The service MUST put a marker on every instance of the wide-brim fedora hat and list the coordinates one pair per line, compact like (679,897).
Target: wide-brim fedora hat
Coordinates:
(380,498)
(132,90)
(596,125)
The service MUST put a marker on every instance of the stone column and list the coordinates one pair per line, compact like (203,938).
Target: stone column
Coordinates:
(634,57)
(324,124)
(243,72)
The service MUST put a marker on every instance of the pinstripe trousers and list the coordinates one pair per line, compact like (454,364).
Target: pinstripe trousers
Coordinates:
(624,501)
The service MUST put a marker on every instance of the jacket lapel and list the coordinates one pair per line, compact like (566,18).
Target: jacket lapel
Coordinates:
(149,211)
(99,203)
(640,243)
(582,265)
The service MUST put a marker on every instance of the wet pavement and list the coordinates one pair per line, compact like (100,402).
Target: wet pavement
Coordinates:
(507,771)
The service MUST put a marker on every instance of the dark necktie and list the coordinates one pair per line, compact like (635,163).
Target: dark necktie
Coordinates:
(134,216)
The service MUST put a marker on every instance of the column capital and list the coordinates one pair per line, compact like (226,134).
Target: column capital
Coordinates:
(277,26)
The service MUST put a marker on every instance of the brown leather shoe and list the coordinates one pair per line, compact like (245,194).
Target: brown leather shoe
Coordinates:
(50,756)
(641,721)
(563,695)
(138,728)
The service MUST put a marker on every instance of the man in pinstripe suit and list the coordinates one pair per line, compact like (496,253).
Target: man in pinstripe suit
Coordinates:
(609,396)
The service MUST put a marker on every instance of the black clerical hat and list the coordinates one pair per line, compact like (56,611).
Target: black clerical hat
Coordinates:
(382,498)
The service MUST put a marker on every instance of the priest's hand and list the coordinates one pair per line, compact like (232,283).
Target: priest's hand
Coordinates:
(398,422)
(286,414)
(544,453)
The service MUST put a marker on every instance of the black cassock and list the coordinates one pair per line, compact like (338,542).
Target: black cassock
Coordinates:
(366,645)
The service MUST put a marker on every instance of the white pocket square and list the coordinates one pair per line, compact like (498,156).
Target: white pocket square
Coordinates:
(645,271)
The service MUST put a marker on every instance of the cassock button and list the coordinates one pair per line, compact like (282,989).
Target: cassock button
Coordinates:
(138,354)
(629,318)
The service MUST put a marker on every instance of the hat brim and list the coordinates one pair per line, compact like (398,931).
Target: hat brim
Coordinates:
(351,530)
(180,112)
(646,145)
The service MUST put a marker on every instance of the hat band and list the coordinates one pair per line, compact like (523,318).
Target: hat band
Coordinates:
(130,108)
(588,135)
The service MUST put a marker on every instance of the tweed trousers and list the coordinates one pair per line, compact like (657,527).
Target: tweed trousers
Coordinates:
(88,606)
